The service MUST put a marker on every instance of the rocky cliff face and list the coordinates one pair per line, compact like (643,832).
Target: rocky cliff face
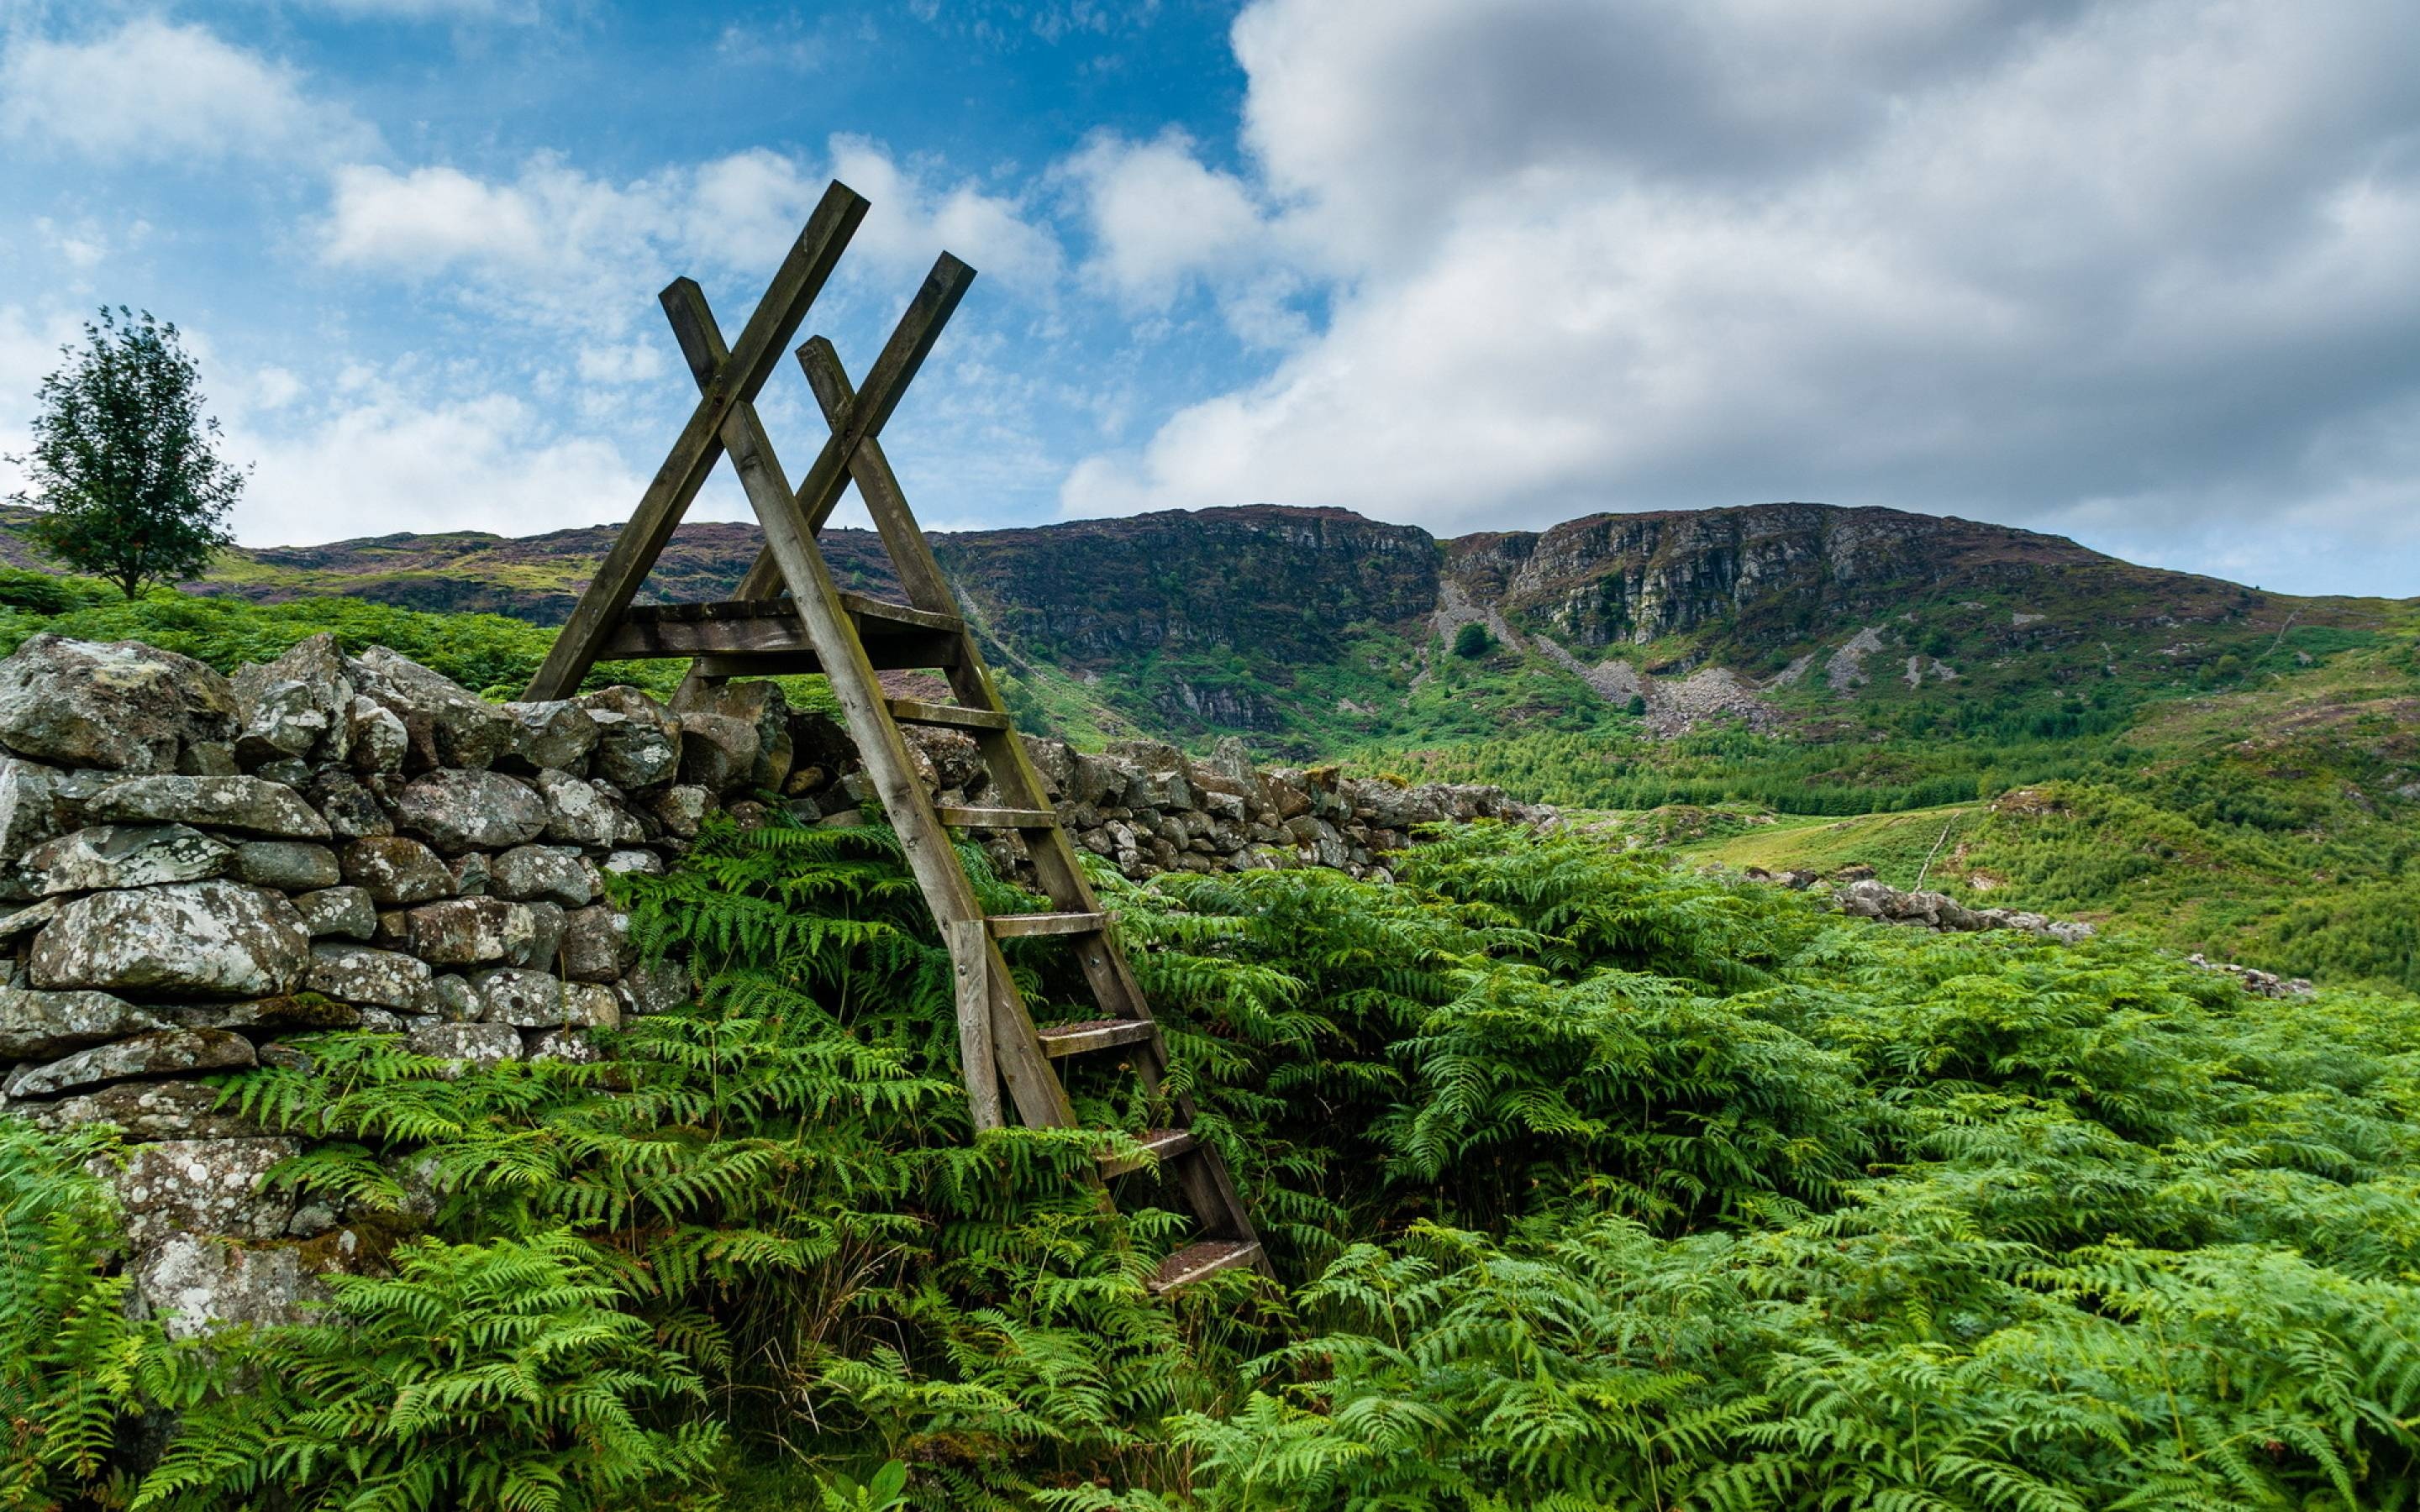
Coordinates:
(1777,569)
(1284,581)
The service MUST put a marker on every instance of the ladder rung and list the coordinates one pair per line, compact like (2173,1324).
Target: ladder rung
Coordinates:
(899,615)
(916,711)
(997,818)
(1162,1144)
(1013,926)
(1094,1034)
(1201,1258)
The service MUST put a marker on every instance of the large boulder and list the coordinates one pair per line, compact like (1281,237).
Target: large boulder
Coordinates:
(459,810)
(195,1284)
(124,706)
(763,709)
(159,1053)
(29,806)
(296,705)
(197,939)
(36,1025)
(126,856)
(638,741)
(718,752)
(446,724)
(248,805)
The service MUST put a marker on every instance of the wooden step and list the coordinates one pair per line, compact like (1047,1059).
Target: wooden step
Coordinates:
(1164,1144)
(1203,1258)
(950,715)
(1094,1034)
(974,818)
(763,637)
(1016,926)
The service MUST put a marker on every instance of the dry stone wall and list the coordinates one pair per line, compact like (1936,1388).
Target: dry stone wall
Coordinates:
(194,869)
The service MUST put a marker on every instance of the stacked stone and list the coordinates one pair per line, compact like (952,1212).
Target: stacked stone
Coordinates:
(1148,807)
(202,866)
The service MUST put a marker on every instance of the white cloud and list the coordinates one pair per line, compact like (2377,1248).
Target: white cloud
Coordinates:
(156,90)
(1979,258)
(1159,218)
(381,460)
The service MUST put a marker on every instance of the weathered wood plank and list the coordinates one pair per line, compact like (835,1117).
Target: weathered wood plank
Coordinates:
(972,816)
(970,956)
(1196,1261)
(1163,1145)
(735,378)
(1063,1040)
(947,716)
(1022,926)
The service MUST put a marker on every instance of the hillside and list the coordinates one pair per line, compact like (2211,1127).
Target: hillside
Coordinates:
(1315,630)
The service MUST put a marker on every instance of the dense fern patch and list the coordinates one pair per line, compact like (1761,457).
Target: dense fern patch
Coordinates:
(1593,1184)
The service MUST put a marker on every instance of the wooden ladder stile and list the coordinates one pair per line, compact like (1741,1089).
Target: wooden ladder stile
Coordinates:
(851,640)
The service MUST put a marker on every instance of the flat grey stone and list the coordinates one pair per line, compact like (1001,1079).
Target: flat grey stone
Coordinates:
(204,939)
(470,810)
(394,869)
(363,974)
(122,707)
(203,1186)
(244,804)
(126,856)
(159,1053)
(529,872)
(289,865)
(480,1044)
(38,1025)
(523,999)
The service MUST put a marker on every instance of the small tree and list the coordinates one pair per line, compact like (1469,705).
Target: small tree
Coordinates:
(1472,640)
(123,463)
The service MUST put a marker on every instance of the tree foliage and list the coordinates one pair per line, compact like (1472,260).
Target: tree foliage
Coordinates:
(124,461)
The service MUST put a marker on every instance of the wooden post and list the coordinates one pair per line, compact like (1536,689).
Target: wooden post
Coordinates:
(970,963)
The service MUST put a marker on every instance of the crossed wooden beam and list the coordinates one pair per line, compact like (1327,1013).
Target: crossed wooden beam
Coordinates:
(729,378)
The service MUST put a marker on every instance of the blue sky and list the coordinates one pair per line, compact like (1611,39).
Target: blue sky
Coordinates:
(2137,272)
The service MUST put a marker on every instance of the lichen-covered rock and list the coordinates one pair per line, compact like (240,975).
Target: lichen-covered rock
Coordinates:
(596,943)
(560,733)
(446,724)
(545,935)
(196,1283)
(29,807)
(576,812)
(203,1186)
(198,939)
(470,932)
(528,872)
(658,988)
(352,810)
(451,998)
(395,870)
(470,810)
(123,706)
(523,999)
(574,1045)
(18,920)
(378,740)
(295,705)
(292,1010)
(718,752)
(126,856)
(643,863)
(338,912)
(158,1052)
(479,1044)
(682,810)
(638,740)
(588,1006)
(143,1111)
(245,804)
(471,875)
(36,1026)
(288,865)
(363,974)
